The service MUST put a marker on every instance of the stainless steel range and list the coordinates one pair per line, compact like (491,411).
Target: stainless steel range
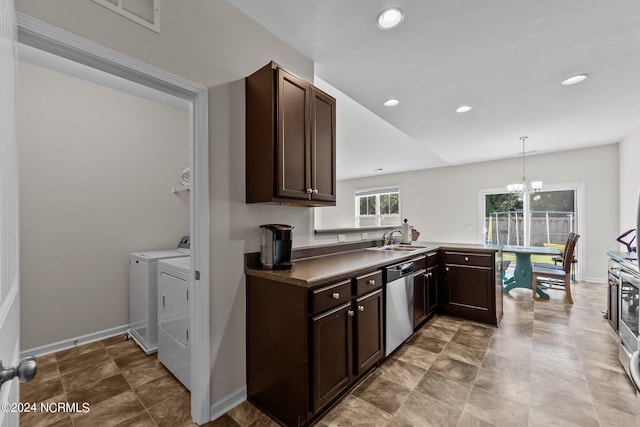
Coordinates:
(629,313)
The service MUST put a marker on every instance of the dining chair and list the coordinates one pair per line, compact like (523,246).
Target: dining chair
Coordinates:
(560,259)
(558,277)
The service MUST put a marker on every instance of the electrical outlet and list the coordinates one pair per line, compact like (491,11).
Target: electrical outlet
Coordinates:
(364,236)
(341,238)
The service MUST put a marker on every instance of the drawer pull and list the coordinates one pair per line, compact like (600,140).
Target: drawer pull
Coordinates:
(350,313)
(361,308)
(335,295)
(466,259)
(372,282)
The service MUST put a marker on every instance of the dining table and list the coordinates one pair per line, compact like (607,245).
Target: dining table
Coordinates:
(523,270)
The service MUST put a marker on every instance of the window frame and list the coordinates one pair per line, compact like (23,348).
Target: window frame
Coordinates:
(378,217)
(580,218)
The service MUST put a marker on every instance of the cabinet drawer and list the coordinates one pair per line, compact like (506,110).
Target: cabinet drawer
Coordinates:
(330,296)
(367,283)
(419,264)
(432,259)
(462,258)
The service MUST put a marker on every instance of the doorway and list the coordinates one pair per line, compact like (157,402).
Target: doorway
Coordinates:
(39,35)
(541,218)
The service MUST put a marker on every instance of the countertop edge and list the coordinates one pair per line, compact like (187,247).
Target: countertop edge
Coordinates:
(287,276)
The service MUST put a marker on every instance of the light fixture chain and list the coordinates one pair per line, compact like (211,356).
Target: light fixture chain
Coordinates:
(524,179)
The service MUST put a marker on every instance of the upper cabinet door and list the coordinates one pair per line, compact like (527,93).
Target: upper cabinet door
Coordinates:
(293,137)
(323,146)
(290,140)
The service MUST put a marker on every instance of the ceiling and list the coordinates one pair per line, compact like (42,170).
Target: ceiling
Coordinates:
(505,58)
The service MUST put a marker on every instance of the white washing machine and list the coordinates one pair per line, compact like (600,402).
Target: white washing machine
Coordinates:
(143,293)
(174,278)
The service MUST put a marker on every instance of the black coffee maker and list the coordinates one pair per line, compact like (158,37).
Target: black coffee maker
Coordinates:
(275,246)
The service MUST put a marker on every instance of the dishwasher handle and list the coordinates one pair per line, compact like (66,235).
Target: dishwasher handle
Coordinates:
(398,271)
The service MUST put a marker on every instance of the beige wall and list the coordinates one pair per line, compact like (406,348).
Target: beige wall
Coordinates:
(443,203)
(207,42)
(96,170)
(629,180)
(234,231)
(210,43)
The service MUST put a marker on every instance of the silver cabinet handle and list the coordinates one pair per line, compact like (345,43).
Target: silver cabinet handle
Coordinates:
(447,269)
(466,259)
(315,191)
(350,313)
(361,308)
(335,295)
(25,370)
(372,282)
(309,191)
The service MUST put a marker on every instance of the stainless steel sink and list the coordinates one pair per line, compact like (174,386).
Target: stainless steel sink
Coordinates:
(398,248)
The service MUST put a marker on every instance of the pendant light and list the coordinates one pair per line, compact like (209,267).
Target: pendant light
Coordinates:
(521,188)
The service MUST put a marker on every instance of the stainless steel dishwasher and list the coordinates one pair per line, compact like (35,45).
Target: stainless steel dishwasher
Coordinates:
(398,281)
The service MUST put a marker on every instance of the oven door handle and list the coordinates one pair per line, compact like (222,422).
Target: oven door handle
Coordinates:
(634,369)
(634,280)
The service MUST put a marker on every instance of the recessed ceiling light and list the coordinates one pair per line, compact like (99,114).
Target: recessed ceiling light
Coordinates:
(390,18)
(391,102)
(574,79)
(463,108)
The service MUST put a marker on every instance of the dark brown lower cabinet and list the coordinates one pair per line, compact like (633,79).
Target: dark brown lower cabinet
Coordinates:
(339,356)
(307,346)
(369,331)
(472,286)
(425,297)
(331,354)
(431,280)
(419,299)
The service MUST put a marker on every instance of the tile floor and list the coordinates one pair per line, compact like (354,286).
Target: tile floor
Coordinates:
(121,384)
(548,364)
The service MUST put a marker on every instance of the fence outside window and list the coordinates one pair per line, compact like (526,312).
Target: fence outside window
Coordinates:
(550,227)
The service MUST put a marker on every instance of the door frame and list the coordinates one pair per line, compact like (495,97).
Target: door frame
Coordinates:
(51,39)
(579,191)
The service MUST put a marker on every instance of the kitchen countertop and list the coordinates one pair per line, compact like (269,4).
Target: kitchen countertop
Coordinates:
(309,272)
(623,256)
(630,259)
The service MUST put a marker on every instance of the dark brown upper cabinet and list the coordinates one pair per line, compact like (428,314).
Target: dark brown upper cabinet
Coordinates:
(290,140)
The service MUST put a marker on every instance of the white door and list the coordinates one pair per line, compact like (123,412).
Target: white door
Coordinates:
(9,265)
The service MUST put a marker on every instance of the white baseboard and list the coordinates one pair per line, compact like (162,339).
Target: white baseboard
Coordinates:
(229,402)
(73,342)
(594,279)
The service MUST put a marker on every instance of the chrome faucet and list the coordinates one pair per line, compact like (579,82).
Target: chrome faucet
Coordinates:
(387,237)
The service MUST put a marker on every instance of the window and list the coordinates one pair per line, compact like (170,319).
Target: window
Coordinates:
(377,207)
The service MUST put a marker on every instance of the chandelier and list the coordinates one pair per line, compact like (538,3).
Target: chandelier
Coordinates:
(520,188)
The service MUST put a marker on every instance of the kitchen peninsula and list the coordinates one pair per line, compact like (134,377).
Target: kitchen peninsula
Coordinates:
(314,332)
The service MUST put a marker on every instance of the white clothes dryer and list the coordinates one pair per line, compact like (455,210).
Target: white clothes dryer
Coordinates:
(174,278)
(143,295)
